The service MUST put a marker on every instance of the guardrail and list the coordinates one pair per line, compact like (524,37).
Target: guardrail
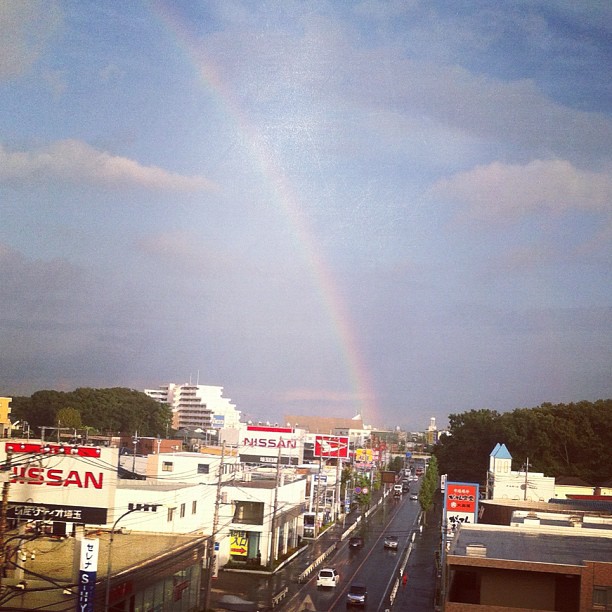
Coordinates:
(302,577)
(279,597)
(404,562)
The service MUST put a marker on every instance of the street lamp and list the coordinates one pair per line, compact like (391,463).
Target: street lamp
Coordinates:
(131,508)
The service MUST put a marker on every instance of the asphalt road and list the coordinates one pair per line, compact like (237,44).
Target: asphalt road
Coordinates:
(373,565)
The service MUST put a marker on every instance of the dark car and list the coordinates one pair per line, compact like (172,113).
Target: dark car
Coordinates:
(356,542)
(357,595)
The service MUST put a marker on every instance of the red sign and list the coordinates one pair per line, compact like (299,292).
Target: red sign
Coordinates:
(52,449)
(461,497)
(331,446)
(271,428)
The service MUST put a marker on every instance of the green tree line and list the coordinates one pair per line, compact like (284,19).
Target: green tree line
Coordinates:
(100,410)
(559,440)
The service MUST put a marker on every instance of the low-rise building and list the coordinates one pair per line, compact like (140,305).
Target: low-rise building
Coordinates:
(505,483)
(491,567)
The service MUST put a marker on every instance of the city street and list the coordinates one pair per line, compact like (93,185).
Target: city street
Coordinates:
(373,565)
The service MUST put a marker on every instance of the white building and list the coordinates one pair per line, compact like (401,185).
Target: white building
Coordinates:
(197,406)
(503,483)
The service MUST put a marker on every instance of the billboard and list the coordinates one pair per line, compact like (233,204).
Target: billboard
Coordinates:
(61,482)
(218,421)
(331,446)
(265,444)
(363,455)
(460,504)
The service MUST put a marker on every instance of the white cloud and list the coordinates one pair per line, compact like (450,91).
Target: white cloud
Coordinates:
(328,70)
(500,191)
(73,161)
(25,28)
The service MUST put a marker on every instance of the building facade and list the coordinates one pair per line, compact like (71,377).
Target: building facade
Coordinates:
(197,406)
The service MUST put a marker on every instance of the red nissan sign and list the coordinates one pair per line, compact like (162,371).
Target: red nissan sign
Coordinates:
(331,446)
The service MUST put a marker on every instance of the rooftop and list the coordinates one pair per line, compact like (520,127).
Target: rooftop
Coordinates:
(53,561)
(552,545)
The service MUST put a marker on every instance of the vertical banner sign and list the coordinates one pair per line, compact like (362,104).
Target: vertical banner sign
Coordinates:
(88,568)
(460,504)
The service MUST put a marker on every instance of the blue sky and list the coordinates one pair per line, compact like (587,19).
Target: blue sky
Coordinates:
(391,207)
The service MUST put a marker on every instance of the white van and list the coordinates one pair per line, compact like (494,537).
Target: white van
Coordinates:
(397,489)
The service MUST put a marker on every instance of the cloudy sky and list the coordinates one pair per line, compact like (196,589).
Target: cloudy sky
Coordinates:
(325,207)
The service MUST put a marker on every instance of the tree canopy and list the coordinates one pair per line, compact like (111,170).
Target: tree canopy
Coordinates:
(104,410)
(559,440)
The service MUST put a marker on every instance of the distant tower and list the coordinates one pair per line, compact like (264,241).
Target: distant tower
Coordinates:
(432,431)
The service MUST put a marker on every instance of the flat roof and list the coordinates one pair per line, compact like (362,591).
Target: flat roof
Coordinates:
(553,545)
(52,557)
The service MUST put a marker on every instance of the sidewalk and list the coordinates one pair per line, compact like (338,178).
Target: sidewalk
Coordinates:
(419,591)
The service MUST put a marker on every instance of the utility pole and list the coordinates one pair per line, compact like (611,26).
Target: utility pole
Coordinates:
(526,478)
(316,529)
(3,511)
(274,510)
(210,547)
(135,443)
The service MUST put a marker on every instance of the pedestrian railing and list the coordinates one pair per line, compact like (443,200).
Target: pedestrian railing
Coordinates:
(279,597)
(302,577)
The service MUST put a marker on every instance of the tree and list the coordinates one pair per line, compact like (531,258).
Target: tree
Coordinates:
(68,417)
(105,410)
(559,440)
(429,486)
(363,499)
(464,454)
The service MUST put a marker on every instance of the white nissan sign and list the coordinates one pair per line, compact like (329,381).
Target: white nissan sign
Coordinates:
(267,442)
(61,476)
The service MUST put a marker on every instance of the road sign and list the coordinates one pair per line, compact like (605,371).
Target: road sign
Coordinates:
(216,545)
(357,490)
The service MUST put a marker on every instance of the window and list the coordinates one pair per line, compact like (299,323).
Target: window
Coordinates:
(602,598)
(194,506)
(171,514)
(182,513)
(249,512)
(167,466)
(203,468)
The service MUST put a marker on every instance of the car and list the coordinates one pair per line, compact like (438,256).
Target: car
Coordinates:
(391,541)
(356,542)
(357,595)
(327,577)
(405,487)
(414,497)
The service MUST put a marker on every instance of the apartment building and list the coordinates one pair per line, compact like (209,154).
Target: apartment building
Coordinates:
(197,406)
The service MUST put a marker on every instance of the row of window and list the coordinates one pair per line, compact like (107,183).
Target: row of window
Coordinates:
(203,468)
(182,510)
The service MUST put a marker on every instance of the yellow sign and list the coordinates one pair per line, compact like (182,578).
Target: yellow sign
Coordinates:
(239,543)
(363,455)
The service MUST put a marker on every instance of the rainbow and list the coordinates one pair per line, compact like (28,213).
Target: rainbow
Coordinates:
(288,203)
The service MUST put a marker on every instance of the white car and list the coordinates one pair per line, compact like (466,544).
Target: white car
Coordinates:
(328,577)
